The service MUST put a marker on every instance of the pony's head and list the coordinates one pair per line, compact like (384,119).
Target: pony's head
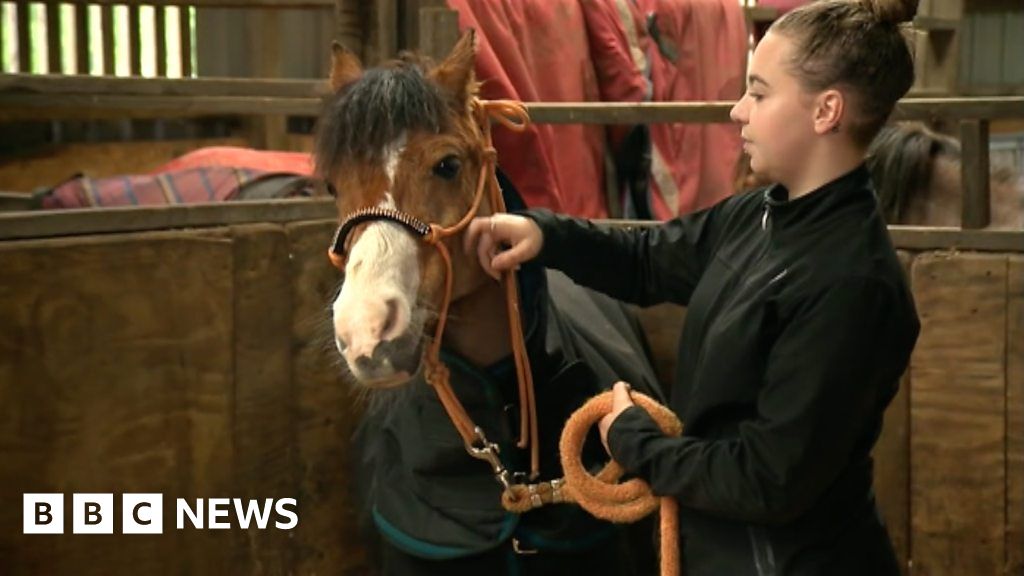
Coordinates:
(402,137)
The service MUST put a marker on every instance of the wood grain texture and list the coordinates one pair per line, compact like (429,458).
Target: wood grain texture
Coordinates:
(115,376)
(958,392)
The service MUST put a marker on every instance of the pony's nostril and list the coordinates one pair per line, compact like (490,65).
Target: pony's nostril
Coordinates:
(368,364)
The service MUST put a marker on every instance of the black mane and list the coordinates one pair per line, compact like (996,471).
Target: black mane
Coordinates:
(363,117)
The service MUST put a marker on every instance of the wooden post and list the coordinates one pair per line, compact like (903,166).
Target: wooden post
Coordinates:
(975,173)
(185,33)
(53,43)
(134,41)
(160,23)
(24,39)
(81,39)
(107,19)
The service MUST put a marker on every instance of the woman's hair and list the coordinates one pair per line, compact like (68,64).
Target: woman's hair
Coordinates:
(901,160)
(857,46)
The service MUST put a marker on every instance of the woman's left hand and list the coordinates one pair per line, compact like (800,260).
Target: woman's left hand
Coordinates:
(620,401)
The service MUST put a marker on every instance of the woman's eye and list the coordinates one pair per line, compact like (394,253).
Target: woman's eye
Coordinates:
(755,97)
(448,167)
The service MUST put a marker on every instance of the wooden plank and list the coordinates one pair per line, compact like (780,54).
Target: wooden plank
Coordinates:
(117,379)
(1015,418)
(129,219)
(247,4)
(27,106)
(185,41)
(974,142)
(958,415)
(326,412)
(82,39)
(107,35)
(63,85)
(53,38)
(986,48)
(160,38)
(923,238)
(892,463)
(134,41)
(24,39)
(55,98)
(263,434)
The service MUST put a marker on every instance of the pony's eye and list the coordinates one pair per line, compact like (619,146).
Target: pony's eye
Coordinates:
(448,167)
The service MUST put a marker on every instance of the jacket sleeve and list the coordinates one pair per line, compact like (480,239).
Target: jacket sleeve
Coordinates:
(829,376)
(643,265)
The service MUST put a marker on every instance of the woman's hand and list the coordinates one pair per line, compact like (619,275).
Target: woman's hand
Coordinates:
(620,402)
(503,242)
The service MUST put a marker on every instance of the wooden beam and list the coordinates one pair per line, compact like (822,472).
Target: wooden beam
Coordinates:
(64,85)
(31,106)
(51,223)
(248,4)
(934,24)
(975,212)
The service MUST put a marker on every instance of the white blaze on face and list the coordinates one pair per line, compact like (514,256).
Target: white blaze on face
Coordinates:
(381,281)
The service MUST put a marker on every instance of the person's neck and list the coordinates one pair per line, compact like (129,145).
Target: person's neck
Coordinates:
(823,166)
(477,327)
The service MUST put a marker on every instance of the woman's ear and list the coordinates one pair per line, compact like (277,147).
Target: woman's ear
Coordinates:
(829,111)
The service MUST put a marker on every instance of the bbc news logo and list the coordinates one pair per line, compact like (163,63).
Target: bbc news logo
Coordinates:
(144,513)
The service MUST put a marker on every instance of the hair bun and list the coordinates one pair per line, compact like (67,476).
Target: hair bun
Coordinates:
(891,11)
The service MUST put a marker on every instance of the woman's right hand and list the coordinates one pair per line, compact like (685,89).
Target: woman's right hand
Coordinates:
(503,241)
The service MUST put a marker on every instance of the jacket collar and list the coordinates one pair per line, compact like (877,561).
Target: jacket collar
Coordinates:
(782,214)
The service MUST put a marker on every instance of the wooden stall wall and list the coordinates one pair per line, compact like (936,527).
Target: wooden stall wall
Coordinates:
(192,364)
(199,364)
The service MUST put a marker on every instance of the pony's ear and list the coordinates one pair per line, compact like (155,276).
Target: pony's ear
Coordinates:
(455,74)
(345,66)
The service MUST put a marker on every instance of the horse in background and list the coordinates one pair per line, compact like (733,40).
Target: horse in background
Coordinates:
(918,179)
(916,172)
(406,149)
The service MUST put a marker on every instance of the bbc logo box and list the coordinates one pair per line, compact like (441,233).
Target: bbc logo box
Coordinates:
(92,514)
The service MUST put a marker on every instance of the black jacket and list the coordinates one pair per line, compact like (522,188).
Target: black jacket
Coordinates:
(799,326)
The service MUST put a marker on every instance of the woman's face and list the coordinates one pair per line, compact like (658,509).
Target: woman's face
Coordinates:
(776,114)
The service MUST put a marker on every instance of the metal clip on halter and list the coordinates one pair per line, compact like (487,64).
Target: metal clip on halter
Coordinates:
(490,452)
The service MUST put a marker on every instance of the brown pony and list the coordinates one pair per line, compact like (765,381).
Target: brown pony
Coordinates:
(406,149)
(917,177)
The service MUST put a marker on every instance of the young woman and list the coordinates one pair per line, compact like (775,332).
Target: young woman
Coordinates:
(800,322)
